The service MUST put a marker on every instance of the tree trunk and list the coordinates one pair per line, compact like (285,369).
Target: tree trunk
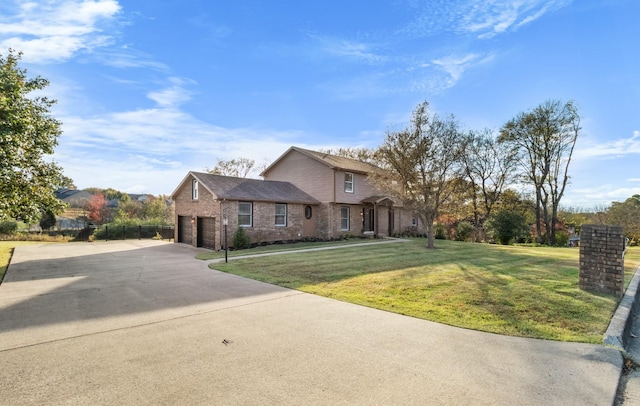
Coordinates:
(430,232)
(538,217)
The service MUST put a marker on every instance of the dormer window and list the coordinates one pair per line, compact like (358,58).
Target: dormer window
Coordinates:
(348,182)
(194,189)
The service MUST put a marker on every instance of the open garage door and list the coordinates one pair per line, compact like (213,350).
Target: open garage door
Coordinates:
(184,229)
(206,232)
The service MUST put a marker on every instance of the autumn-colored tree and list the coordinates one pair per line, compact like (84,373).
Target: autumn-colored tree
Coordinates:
(96,208)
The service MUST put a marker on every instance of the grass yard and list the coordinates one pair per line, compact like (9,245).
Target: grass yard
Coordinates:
(511,290)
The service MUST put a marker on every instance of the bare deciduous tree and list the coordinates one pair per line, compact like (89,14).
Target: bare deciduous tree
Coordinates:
(240,167)
(424,161)
(545,138)
(489,168)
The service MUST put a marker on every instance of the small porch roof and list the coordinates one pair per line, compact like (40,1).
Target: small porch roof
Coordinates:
(375,200)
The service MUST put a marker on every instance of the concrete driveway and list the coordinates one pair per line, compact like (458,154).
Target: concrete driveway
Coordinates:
(143,322)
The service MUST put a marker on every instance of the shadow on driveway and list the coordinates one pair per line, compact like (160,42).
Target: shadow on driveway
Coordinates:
(106,285)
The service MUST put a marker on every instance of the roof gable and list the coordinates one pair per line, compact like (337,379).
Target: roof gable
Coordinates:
(332,161)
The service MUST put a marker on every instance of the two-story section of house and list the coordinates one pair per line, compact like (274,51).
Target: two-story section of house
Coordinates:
(350,203)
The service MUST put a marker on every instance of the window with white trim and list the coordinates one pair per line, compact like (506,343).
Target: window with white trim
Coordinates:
(344,218)
(348,182)
(245,214)
(414,222)
(194,189)
(281,214)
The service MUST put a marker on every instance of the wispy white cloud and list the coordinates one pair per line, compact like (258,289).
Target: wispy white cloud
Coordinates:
(163,140)
(342,47)
(482,18)
(610,149)
(601,195)
(56,30)
(491,18)
(454,66)
(125,57)
(173,95)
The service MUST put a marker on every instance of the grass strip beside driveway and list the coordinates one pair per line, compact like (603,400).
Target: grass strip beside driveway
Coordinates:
(511,290)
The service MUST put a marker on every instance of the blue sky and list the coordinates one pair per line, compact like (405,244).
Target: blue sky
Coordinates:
(150,89)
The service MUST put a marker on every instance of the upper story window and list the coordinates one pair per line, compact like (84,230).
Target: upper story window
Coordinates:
(348,182)
(245,214)
(194,189)
(281,214)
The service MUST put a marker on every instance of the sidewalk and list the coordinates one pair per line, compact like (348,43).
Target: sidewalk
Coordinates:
(386,240)
(623,334)
(629,392)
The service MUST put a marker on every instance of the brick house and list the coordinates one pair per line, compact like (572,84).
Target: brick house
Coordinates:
(304,194)
(350,202)
(268,210)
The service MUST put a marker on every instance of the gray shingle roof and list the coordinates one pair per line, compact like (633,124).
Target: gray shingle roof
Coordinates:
(232,188)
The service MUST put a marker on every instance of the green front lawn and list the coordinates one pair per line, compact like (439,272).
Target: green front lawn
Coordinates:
(512,290)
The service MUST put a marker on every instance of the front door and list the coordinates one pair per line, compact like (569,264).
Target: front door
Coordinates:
(368,214)
(309,222)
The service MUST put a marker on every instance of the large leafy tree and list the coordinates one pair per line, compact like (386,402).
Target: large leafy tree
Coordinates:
(627,215)
(28,135)
(424,162)
(545,138)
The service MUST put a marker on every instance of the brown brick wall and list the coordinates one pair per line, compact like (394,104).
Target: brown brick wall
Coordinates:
(601,259)
(264,228)
(205,206)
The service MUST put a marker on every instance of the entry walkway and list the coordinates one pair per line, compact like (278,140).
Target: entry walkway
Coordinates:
(327,248)
(143,322)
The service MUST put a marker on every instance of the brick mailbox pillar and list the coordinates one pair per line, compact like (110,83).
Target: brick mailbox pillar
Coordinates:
(602,259)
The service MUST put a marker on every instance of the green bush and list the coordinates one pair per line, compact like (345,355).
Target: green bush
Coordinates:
(562,239)
(464,231)
(241,240)
(506,226)
(440,232)
(8,227)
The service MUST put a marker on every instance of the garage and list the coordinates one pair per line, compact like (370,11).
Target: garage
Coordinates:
(206,232)
(184,229)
